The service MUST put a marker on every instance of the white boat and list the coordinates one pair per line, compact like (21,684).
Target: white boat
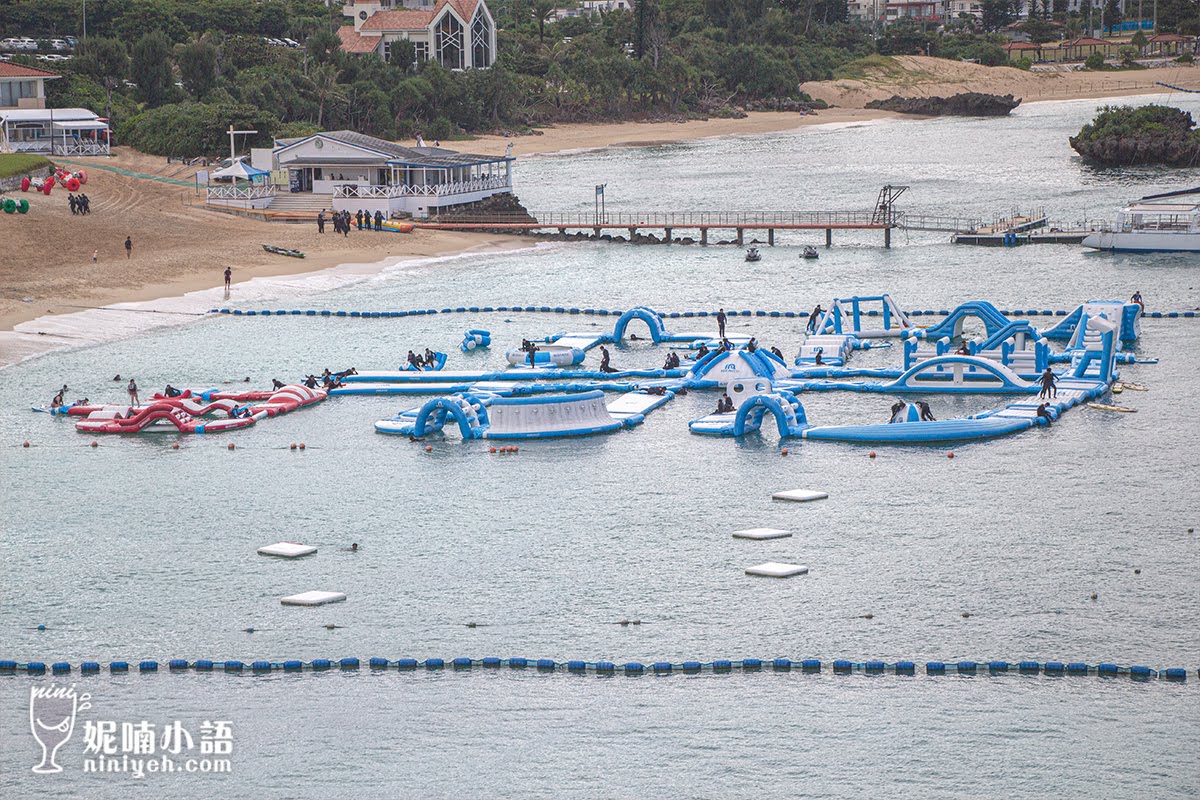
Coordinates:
(1152,227)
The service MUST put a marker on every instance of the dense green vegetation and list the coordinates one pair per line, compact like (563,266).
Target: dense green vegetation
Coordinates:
(1128,136)
(21,164)
(163,69)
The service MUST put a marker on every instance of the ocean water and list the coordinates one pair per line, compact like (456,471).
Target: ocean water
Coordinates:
(134,550)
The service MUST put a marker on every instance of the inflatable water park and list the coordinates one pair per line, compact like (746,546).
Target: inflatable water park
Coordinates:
(546,389)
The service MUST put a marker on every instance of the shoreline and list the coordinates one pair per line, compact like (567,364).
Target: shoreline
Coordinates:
(50,326)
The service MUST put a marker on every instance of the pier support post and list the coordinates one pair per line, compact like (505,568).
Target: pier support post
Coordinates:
(771,237)
(740,235)
(596,231)
(667,231)
(703,236)
(562,231)
(632,232)
(829,237)
(887,237)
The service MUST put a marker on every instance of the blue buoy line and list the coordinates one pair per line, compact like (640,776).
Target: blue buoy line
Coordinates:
(238,312)
(718,666)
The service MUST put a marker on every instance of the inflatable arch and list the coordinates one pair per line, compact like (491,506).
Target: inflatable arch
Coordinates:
(649,316)
(470,414)
(789,414)
(955,373)
(952,326)
(722,366)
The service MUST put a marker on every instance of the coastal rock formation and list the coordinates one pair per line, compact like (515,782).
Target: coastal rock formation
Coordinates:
(503,207)
(1124,137)
(964,104)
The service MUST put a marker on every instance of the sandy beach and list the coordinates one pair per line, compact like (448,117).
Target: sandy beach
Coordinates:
(920,76)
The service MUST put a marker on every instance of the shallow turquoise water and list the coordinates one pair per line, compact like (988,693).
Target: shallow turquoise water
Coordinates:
(133,550)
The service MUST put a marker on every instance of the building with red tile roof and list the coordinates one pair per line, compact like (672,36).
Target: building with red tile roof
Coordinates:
(458,34)
(23,87)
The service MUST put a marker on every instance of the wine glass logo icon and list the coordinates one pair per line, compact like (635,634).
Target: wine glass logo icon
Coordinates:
(52,711)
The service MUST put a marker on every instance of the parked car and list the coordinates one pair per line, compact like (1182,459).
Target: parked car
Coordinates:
(291,42)
(60,44)
(54,57)
(5,56)
(25,43)
(8,44)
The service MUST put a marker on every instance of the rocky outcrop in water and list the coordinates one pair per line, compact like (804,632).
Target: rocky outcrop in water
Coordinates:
(966,104)
(1126,137)
(503,207)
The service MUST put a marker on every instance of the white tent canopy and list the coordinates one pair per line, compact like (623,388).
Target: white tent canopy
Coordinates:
(238,170)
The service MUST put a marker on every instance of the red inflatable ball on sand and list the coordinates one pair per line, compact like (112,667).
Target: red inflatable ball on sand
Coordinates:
(25,184)
(72,184)
(82,176)
(48,183)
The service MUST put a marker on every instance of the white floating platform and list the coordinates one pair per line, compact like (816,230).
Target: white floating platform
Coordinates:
(287,550)
(800,495)
(773,569)
(313,598)
(761,533)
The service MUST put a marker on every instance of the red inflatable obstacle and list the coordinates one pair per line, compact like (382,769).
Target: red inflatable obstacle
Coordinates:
(193,413)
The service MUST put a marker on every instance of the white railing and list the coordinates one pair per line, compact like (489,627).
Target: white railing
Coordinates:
(254,191)
(433,190)
(81,149)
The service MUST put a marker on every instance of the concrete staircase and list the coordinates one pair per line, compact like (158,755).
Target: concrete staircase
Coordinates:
(301,201)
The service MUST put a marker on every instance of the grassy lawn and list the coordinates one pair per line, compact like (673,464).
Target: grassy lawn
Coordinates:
(21,163)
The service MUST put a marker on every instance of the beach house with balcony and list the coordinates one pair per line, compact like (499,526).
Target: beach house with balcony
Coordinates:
(345,170)
(458,34)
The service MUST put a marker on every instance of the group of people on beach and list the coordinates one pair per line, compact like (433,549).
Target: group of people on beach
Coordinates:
(343,221)
(80,204)
(340,220)
(422,361)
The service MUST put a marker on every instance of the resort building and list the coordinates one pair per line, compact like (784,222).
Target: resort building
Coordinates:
(458,34)
(23,87)
(57,131)
(344,170)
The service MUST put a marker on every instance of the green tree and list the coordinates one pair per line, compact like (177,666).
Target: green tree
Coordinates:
(105,60)
(997,13)
(542,10)
(150,68)
(197,62)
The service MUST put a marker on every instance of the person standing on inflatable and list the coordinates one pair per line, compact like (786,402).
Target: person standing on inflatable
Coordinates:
(133,393)
(228,276)
(720,323)
(812,318)
(1137,298)
(1049,385)
(128,247)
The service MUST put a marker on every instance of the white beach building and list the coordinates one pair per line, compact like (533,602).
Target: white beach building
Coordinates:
(345,170)
(56,131)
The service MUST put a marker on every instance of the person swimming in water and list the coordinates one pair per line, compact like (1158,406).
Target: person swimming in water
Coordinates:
(1049,384)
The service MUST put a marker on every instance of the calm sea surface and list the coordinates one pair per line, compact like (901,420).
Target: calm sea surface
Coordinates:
(133,550)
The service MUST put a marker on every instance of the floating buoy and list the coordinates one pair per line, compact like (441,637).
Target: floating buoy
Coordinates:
(871,454)
(292,446)
(950,454)
(1094,595)
(516,449)
(41,627)
(428,448)
(1137,572)
(783,452)
(966,614)
(231,445)
(492,450)
(471,625)
(25,444)
(302,445)
(868,615)
(175,446)
(95,444)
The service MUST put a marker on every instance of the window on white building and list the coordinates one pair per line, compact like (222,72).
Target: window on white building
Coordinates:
(481,41)
(450,42)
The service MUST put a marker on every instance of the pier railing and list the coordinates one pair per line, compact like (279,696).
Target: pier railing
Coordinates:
(681,219)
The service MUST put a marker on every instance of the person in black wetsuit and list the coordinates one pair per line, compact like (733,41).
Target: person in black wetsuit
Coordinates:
(1044,413)
(775,351)
(430,359)
(57,402)
(812,318)
(531,351)
(604,358)
(751,345)
(413,361)
(171,391)
(277,384)
(896,409)
(926,414)
(702,351)
(1049,385)
(721,323)
(817,359)
(310,381)
(964,350)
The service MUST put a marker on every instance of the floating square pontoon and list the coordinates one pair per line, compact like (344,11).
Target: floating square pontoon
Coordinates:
(287,550)
(799,495)
(761,533)
(773,569)
(313,598)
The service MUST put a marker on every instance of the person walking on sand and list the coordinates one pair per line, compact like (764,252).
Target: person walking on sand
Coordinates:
(133,394)
(128,247)
(71,202)
(321,221)
(95,253)
(228,275)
